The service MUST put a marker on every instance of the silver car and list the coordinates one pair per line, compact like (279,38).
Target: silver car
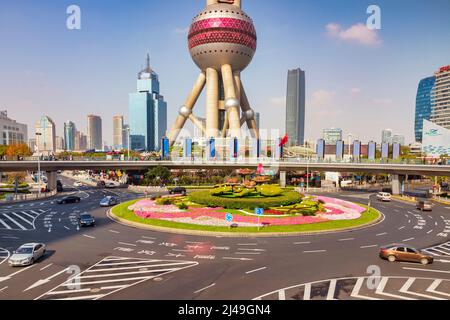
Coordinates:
(27,254)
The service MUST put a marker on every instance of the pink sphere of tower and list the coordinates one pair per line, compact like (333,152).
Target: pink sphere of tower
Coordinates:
(222,34)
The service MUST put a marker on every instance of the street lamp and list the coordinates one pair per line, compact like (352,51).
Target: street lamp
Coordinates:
(307,167)
(128,130)
(350,136)
(38,134)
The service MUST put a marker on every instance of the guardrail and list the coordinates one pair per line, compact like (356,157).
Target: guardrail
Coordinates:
(27,197)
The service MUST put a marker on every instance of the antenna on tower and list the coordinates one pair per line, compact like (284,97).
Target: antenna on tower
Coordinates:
(148,61)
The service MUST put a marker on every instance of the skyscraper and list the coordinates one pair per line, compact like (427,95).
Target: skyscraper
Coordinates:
(332,135)
(12,132)
(386,136)
(295,107)
(69,135)
(440,114)
(148,112)
(94,132)
(423,105)
(80,141)
(59,143)
(118,132)
(398,138)
(46,135)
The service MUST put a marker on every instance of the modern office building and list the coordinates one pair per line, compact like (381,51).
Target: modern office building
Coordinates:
(12,132)
(386,136)
(295,107)
(435,140)
(118,132)
(80,141)
(423,105)
(440,114)
(332,135)
(125,133)
(147,112)
(69,136)
(46,135)
(398,138)
(32,144)
(94,132)
(59,143)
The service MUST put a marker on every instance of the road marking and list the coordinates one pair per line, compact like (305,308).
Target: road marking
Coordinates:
(307,292)
(304,242)
(13,274)
(3,289)
(113,231)
(430,231)
(87,236)
(6,226)
(194,242)
(408,284)
(47,266)
(409,221)
(402,227)
(426,270)
(432,288)
(369,246)
(357,288)
(205,288)
(66,227)
(409,239)
(44,281)
(435,223)
(127,244)
(348,239)
(247,244)
(382,234)
(10,237)
(314,251)
(244,253)
(233,258)
(382,285)
(148,238)
(256,270)
(258,250)
(15,222)
(331,289)
(282,295)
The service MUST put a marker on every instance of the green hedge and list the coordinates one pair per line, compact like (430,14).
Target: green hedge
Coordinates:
(206,199)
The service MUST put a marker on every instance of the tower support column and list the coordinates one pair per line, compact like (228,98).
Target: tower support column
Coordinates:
(212,103)
(231,101)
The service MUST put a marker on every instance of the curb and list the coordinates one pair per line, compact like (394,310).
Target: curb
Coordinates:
(142,226)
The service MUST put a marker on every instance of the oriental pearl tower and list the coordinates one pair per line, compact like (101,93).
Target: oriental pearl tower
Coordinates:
(222,42)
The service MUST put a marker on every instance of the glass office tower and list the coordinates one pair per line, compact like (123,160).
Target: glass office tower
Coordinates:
(148,112)
(69,135)
(424,105)
(295,107)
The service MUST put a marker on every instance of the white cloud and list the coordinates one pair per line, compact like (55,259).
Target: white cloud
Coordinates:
(181,30)
(322,98)
(355,91)
(358,33)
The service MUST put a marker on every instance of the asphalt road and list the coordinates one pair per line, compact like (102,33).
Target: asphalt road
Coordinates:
(119,262)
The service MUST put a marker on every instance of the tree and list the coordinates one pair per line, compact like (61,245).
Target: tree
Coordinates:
(3,150)
(18,150)
(20,176)
(157,174)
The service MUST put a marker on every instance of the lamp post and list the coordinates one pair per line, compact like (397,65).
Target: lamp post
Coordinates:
(128,131)
(38,134)
(307,167)
(350,136)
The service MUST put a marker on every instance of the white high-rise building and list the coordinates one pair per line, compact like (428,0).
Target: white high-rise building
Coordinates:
(118,132)
(440,114)
(386,136)
(46,135)
(332,135)
(94,132)
(12,132)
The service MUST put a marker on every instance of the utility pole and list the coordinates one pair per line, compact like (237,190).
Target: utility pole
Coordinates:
(129,146)
(39,163)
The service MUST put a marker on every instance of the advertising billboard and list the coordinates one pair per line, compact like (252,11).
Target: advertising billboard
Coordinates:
(385,150)
(187,152)
(372,150)
(165,148)
(320,150)
(339,150)
(396,151)
(356,149)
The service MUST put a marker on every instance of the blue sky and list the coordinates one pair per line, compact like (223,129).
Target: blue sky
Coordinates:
(358,80)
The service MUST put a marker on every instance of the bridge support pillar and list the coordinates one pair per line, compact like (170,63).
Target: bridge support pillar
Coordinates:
(283,179)
(398,183)
(51,180)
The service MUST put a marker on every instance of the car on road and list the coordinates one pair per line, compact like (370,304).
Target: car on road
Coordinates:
(86,220)
(69,199)
(384,196)
(424,205)
(101,184)
(111,185)
(77,184)
(27,254)
(109,201)
(404,253)
(178,190)
(59,186)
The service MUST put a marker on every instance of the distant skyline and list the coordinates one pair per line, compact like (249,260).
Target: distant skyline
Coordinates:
(359,80)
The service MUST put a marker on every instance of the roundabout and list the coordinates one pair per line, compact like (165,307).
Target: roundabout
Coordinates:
(245,212)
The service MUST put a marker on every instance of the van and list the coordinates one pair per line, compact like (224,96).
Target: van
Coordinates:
(424,205)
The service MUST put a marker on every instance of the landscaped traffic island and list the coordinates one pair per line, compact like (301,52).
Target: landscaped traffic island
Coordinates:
(231,209)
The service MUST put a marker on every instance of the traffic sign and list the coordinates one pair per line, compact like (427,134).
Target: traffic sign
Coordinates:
(229,217)
(259,211)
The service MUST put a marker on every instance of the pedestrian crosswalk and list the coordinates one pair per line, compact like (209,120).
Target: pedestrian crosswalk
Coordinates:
(111,275)
(4,254)
(439,250)
(19,219)
(366,288)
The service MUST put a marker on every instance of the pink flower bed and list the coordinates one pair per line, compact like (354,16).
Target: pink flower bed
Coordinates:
(336,210)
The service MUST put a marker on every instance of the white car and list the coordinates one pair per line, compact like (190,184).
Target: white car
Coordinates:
(27,254)
(384,196)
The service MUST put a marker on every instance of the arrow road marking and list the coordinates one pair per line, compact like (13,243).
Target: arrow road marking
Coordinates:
(408,284)
(381,287)
(44,281)
(13,274)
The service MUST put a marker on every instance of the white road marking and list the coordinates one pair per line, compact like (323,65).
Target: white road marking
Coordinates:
(382,285)
(248,253)
(205,288)
(426,270)
(15,222)
(127,244)
(402,227)
(148,238)
(257,250)
(369,246)
(382,234)
(331,290)
(6,226)
(409,239)
(307,292)
(256,270)
(3,289)
(247,244)
(13,274)
(113,231)
(304,242)
(409,221)
(282,295)
(233,258)
(47,266)
(347,239)
(357,288)
(408,284)
(435,223)
(314,251)
(432,288)
(66,227)
(430,231)
(44,281)
(87,236)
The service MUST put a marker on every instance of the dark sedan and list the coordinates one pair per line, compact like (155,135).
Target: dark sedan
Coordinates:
(86,220)
(69,199)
